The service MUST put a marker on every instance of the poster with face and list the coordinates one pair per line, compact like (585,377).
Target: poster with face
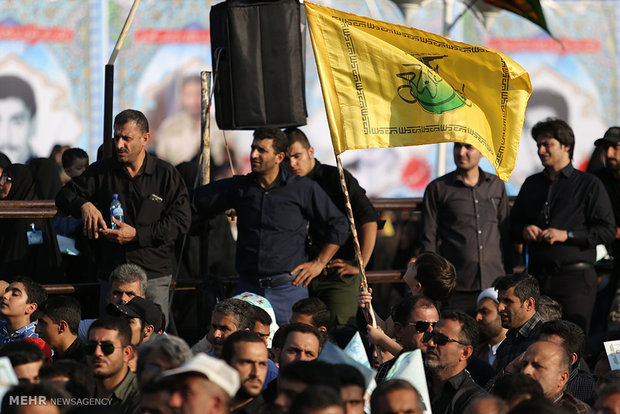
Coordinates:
(43,84)
(58,51)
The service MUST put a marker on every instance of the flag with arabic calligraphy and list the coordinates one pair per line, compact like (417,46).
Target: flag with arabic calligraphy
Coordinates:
(387,85)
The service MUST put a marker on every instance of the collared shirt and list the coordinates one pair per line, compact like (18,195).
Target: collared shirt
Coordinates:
(272,223)
(469,227)
(571,404)
(328,178)
(457,393)
(517,340)
(27,331)
(612,185)
(126,397)
(581,385)
(155,203)
(574,201)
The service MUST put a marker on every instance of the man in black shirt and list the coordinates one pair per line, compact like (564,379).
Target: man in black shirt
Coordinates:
(247,353)
(337,286)
(59,319)
(450,345)
(561,214)
(155,203)
(465,219)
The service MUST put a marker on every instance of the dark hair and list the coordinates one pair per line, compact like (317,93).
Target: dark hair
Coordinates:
(132,115)
(114,324)
(63,308)
(302,328)
(469,328)
(572,335)
(228,349)
(16,87)
(45,391)
(22,352)
(607,390)
(278,138)
(436,275)
(512,386)
(549,309)
(526,286)
(296,135)
(315,397)
(36,293)
(349,375)
(261,315)
(402,311)
(311,373)
(538,405)
(71,155)
(557,129)
(242,311)
(156,385)
(389,386)
(81,380)
(314,307)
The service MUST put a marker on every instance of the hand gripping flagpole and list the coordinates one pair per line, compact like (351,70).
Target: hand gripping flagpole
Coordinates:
(369,312)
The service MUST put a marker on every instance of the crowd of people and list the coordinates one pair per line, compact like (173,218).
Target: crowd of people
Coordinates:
(503,309)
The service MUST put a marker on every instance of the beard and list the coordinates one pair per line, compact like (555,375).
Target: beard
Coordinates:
(491,330)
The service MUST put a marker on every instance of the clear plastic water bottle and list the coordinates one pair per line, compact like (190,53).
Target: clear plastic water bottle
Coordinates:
(116,211)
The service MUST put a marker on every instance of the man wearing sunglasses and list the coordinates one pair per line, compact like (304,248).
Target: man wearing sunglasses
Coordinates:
(413,316)
(108,353)
(449,346)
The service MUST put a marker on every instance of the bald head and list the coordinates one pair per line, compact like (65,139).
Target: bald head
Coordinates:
(547,363)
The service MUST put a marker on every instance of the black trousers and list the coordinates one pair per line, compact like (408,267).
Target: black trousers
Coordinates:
(575,290)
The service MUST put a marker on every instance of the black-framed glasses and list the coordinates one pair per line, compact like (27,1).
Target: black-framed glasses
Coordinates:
(440,339)
(106,347)
(422,326)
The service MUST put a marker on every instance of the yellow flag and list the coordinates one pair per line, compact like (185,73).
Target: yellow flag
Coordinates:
(387,85)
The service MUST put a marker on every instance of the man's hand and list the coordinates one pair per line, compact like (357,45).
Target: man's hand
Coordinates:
(344,267)
(124,234)
(515,365)
(93,220)
(532,233)
(307,272)
(554,235)
(617,232)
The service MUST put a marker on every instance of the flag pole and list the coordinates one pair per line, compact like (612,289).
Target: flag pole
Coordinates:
(370,314)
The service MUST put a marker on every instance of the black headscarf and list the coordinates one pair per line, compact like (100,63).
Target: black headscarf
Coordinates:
(4,160)
(46,177)
(40,262)
(22,187)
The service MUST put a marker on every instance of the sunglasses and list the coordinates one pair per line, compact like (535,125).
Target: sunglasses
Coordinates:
(440,339)
(106,347)
(422,326)
(5,179)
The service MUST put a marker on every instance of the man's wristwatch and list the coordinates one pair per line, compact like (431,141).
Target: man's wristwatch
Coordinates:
(570,236)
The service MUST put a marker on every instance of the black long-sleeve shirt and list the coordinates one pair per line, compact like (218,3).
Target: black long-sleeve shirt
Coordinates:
(468,226)
(575,201)
(328,178)
(272,223)
(155,203)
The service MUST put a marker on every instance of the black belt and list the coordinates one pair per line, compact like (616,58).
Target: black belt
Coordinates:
(572,267)
(275,281)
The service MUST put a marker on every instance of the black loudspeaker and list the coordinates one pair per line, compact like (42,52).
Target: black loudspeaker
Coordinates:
(257,58)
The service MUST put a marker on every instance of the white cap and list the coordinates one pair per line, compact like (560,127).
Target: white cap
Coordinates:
(490,293)
(216,371)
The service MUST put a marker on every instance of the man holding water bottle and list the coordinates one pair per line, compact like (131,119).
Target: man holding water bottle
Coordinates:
(155,207)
